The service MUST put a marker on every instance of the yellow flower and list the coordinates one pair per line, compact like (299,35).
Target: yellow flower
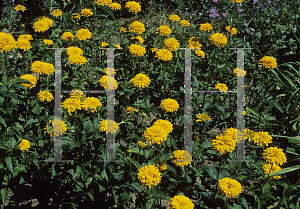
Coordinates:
(42,24)
(181,158)
(71,51)
(71,104)
(76,16)
(56,13)
(231,30)
(92,103)
(194,45)
(123,30)
(45,95)
(271,168)
(185,23)
(206,27)
(77,59)
(200,53)
(268,62)
(203,117)
(48,42)
(133,7)
(149,176)
(221,86)
(140,80)
(155,134)
(243,112)
(237,1)
(68,36)
(26,36)
(169,105)
(83,34)
(108,83)
(31,79)
(142,144)
(262,138)
(42,67)
(117,46)
(20,7)
(103,2)
(231,188)
(223,144)
(180,202)
(103,45)
(234,134)
(7,42)
(165,125)
(139,38)
(23,44)
(77,94)
(59,127)
(129,109)
(218,39)
(24,145)
(137,27)
(164,54)
(160,165)
(248,134)
(108,126)
(239,72)
(171,44)
(164,30)
(137,50)
(115,6)
(174,18)
(110,72)
(86,12)
(274,155)
(153,49)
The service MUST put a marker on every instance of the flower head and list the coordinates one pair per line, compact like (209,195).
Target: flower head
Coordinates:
(155,134)
(24,145)
(268,62)
(137,27)
(42,67)
(203,117)
(110,71)
(239,10)
(48,42)
(274,155)
(231,188)
(262,138)
(67,36)
(234,134)
(231,30)
(218,39)
(20,7)
(140,80)
(200,53)
(180,202)
(23,44)
(59,127)
(103,2)
(142,144)
(160,165)
(171,44)
(76,94)
(7,42)
(71,51)
(71,104)
(237,1)
(83,34)
(42,24)
(109,126)
(181,158)
(123,30)
(77,59)
(174,18)
(31,79)
(185,23)
(239,72)
(271,168)
(223,144)
(108,82)
(115,6)
(164,30)
(76,16)
(129,109)
(137,50)
(133,7)
(165,125)
(248,134)
(26,36)
(92,103)
(206,27)
(164,54)
(103,45)
(221,86)
(169,105)
(45,95)
(56,13)
(86,12)
(139,38)
(149,176)
(194,44)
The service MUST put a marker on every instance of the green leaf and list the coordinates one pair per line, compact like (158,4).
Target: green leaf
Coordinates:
(285,170)
(13,96)
(10,163)
(148,153)
(2,121)
(4,192)
(150,203)
(104,175)
(273,102)
(125,198)
(136,187)
(91,195)
(212,172)
(30,121)
(88,126)
(160,195)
